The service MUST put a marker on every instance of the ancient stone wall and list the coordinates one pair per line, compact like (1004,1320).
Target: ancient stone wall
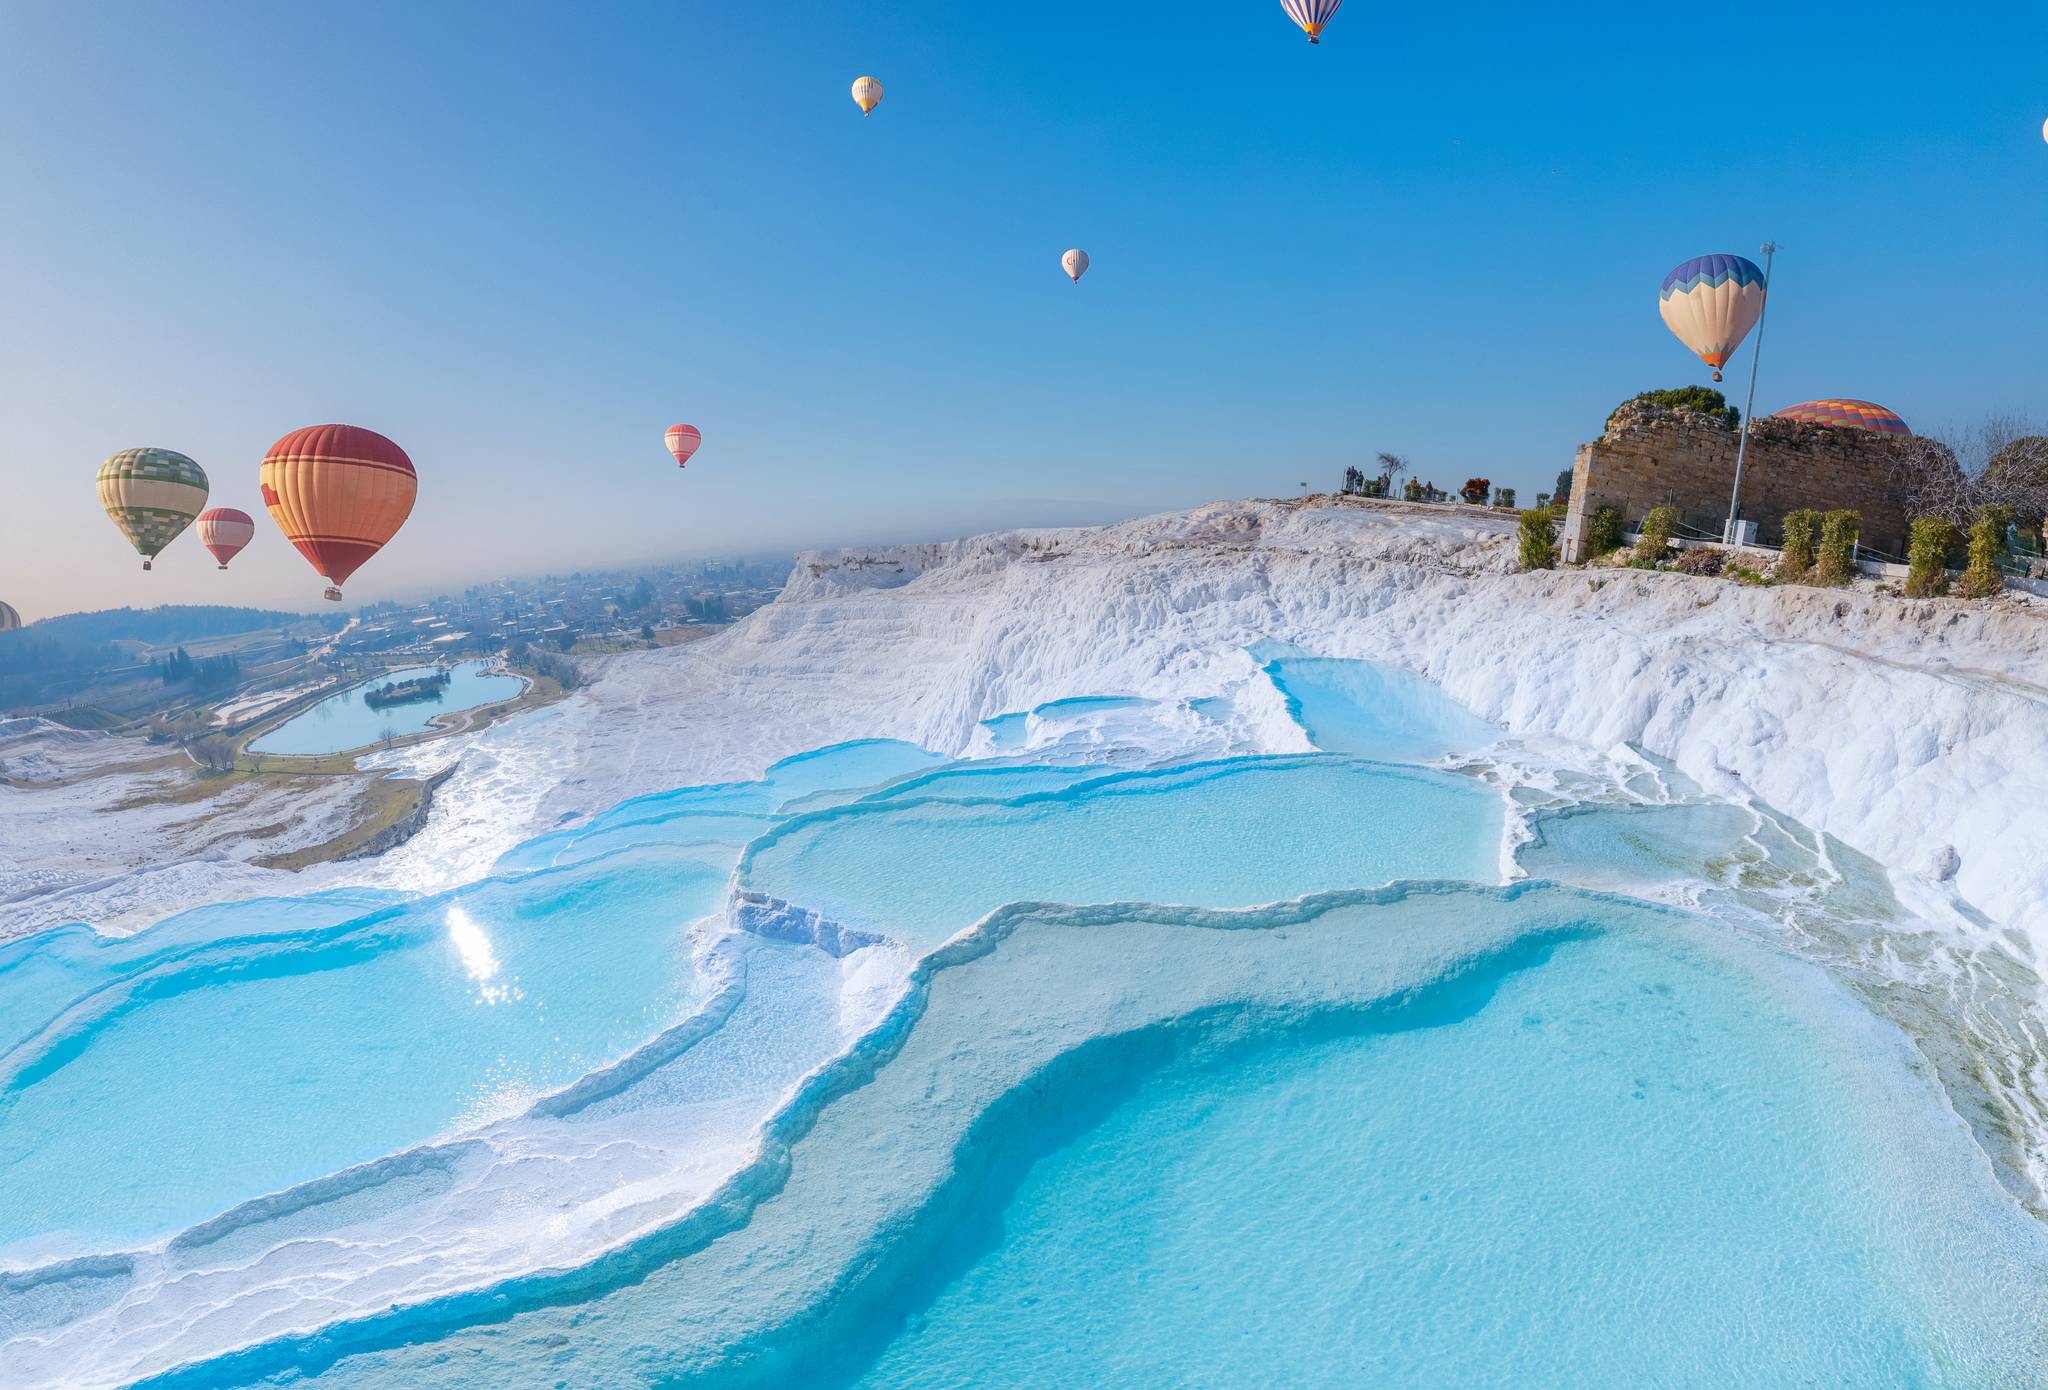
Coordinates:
(1651,456)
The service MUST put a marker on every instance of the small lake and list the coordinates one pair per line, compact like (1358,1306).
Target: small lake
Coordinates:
(341,722)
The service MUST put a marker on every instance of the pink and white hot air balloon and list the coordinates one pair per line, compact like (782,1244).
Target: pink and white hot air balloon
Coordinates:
(224,531)
(1075,263)
(682,442)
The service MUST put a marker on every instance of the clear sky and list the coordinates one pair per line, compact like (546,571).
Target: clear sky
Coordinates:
(522,239)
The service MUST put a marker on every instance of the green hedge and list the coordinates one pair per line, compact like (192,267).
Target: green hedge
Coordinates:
(1653,543)
(1981,578)
(1603,532)
(1539,539)
(1837,561)
(1927,557)
(1795,559)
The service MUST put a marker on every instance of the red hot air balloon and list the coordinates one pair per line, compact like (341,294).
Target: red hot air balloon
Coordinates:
(338,493)
(224,531)
(682,442)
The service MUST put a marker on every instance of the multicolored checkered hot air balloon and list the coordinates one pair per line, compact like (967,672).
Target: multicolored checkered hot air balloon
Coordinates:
(152,495)
(1845,414)
(1711,303)
(1311,15)
(224,531)
(338,492)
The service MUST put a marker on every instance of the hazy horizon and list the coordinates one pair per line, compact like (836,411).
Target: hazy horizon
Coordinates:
(521,243)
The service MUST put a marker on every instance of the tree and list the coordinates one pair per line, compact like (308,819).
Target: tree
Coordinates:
(643,596)
(1701,400)
(1476,490)
(215,752)
(1392,466)
(647,632)
(2000,461)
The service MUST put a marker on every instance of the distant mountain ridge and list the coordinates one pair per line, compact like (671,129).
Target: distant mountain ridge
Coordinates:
(171,622)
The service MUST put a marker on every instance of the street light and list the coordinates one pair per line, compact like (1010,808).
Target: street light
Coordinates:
(1729,534)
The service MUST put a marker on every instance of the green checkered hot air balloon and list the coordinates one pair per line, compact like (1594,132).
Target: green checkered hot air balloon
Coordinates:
(152,495)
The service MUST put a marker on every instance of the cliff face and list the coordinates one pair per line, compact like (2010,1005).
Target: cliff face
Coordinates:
(1651,456)
(1915,731)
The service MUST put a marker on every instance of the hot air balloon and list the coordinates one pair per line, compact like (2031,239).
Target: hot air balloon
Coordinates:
(1075,263)
(152,495)
(9,619)
(1711,303)
(1844,413)
(867,94)
(224,531)
(338,492)
(1311,15)
(682,441)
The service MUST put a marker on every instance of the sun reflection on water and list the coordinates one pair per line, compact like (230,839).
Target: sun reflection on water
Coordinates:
(473,944)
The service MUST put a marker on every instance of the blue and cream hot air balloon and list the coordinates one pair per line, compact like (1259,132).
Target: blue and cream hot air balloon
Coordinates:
(1711,303)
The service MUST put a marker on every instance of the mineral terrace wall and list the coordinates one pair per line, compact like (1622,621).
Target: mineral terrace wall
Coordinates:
(1650,456)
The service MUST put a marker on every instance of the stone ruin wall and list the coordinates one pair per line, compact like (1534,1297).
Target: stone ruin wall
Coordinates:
(1651,456)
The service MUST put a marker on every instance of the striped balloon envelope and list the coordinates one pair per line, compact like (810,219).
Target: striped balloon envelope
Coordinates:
(9,619)
(1311,15)
(338,492)
(1711,303)
(224,531)
(1845,414)
(152,495)
(683,441)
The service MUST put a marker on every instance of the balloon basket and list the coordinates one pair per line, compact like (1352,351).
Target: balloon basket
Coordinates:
(145,564)
(333,595)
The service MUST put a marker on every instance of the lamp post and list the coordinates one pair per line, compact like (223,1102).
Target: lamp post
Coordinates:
(1729,534)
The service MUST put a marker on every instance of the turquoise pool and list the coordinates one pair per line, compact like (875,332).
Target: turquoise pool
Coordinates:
(1015,1072)
(342,722)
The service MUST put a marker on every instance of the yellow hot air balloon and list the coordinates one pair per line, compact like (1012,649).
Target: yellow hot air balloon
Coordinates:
(152,495)
(867,94)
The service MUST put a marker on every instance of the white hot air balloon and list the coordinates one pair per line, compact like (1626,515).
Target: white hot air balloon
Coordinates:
(867,94)
(1075,263)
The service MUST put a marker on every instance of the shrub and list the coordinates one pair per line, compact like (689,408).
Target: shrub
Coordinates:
(1411,490)
(1795,560)
(1603,532)
(1704,399)
(1475,490)
(1654,542)
(1701,559)
(1981,578)
(1503,497)
(1927,557)
(1837,561)
(1539,539)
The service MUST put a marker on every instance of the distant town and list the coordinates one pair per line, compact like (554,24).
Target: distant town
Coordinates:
(183,669)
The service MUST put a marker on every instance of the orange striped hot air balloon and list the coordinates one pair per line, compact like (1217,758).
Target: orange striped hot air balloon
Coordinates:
(338,492)
(1311,15)
(224,531)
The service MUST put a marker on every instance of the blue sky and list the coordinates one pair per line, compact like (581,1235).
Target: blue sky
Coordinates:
(522,239)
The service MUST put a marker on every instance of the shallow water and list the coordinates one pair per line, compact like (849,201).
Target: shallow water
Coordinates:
(1626,1165)
(1402,1135)
(1249,830)
(195,1077)
(342,722)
